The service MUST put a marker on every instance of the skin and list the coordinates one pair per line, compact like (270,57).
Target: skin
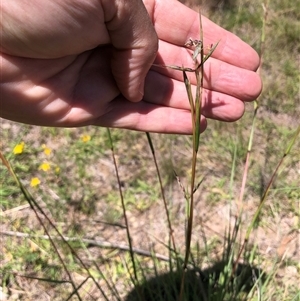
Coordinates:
(75,62)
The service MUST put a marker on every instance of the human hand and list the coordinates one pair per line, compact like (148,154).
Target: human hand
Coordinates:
(75,63)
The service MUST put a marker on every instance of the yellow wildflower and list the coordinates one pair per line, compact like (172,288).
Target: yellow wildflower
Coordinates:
(35,182)
(7,255)
(57,170)
(47,150)
(85,138)
(18,149)
(44,166)
(33,246)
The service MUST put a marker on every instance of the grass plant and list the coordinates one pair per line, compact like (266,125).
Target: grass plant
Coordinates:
(97,214)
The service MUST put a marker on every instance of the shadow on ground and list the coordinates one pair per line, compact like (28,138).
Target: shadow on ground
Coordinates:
(214,284)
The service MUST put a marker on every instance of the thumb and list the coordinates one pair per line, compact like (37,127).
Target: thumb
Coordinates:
(134,43)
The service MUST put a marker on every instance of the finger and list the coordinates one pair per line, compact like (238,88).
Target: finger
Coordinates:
(135,45)
(143,116)
(218,75)
(176,23)
(164,91)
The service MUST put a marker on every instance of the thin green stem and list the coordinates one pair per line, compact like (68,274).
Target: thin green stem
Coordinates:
(131,252)
(256,107)
(162,193)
